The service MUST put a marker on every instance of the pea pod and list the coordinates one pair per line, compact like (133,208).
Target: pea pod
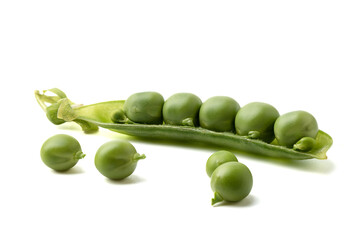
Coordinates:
(100,115)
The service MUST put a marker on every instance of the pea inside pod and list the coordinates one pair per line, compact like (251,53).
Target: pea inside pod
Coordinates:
(51,114)
(218,114)
(144,107)
(290,127)
(305,144)
(256,120)
(182,109)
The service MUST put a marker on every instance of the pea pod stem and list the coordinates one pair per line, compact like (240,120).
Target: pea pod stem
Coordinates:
(42,99)
(138,156)
(90,117)
(188,122)
(217,198)
(254,134)
(79,155)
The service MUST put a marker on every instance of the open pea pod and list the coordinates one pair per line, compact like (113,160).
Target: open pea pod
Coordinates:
(90,117)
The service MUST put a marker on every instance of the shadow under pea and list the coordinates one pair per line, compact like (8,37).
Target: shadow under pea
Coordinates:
(132,179)
(71,171)
(249,201)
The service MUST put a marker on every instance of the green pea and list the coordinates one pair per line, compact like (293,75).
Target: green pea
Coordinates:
(117,159)
(61,152)
(256,120)
(51,114)
(144,107)
(291,127)
(305,144)
(218,114)
(218,158)
(231,181)
(182,109)
(118,116)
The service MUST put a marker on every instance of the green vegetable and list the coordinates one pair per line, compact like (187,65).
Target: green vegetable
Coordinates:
(218,114)
(144,107)
(231,181)
(182,109)
(117,159)
(61,152)
(256,120)
(51,114)
(118,116)
(305,144)
(218,158)
(51,110)
(100,114)
(291,127)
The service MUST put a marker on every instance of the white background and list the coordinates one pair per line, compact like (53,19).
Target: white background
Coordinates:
(291,54)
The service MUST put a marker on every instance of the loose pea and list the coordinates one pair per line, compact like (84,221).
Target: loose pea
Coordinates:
(231,181)
(218,114)
(117,159)
(144,107)
(61,152)
(218,158)
(256,120)
(291,127)
(182,109)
